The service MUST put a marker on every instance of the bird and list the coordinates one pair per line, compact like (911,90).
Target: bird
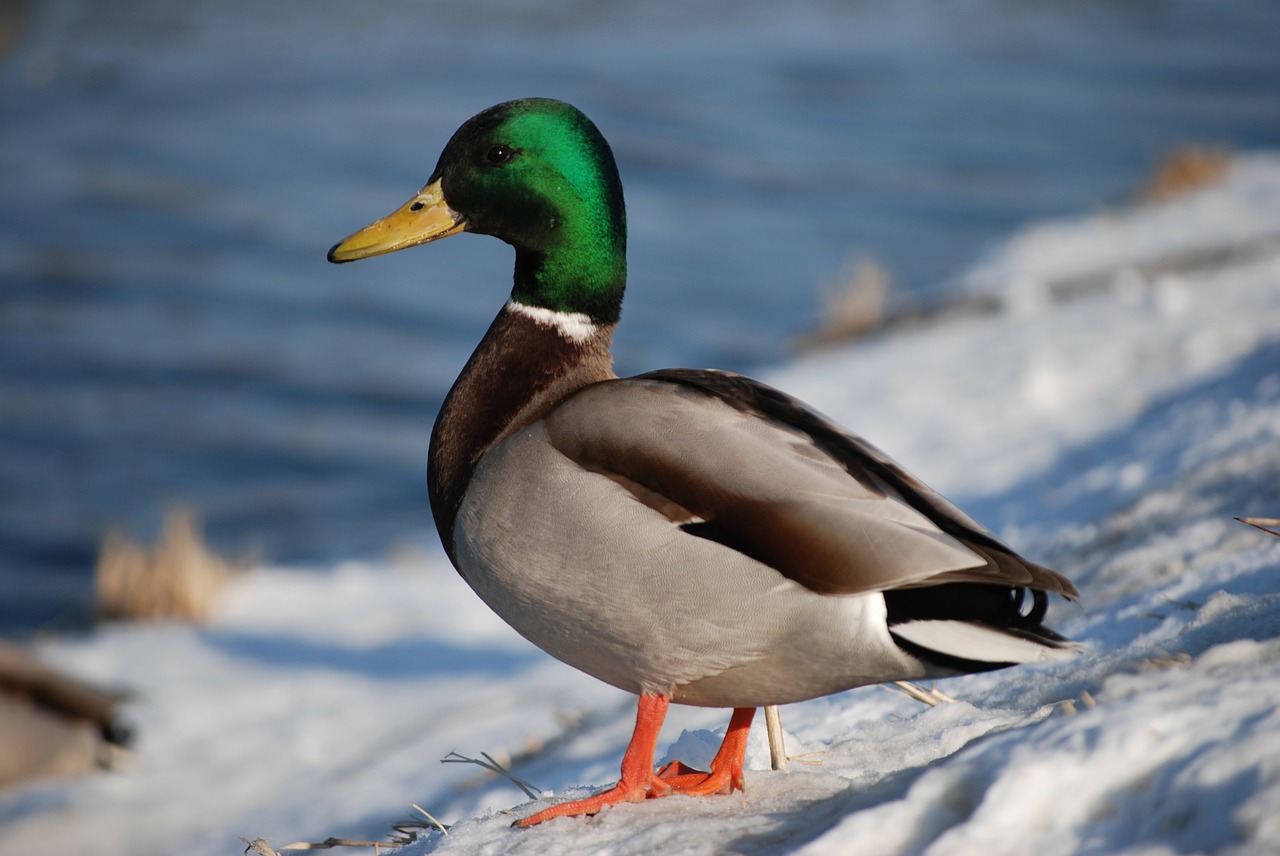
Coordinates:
(691,536)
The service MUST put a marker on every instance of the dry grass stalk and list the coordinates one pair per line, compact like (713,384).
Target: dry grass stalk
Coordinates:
(853,307)
(494,767)
(429,816)
(1180,660)
(807,758)
(178,578)
(406,832)
(1086,701)
(932,696)
(777,749)
(1266,524)
(1184,170)
(263,848)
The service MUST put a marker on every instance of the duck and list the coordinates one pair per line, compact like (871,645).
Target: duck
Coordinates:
(690,536)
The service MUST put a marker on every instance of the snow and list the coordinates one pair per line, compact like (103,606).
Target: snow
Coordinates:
(1111,431)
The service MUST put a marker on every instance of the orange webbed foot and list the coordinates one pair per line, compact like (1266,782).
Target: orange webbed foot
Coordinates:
(639,781)
(696,783)
(622,792)
(726,768)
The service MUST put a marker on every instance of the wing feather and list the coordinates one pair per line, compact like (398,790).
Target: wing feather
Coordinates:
(741,463)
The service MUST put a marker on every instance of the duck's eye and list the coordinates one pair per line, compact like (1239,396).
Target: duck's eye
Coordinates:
(499,154)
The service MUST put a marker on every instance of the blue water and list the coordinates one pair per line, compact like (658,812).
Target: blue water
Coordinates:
(173,174)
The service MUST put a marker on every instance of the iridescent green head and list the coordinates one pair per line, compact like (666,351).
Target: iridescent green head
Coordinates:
(539,175)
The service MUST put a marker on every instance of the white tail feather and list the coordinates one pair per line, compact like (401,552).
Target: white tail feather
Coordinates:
(983,644)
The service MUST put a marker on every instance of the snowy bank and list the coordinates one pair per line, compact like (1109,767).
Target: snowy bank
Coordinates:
(1112,433)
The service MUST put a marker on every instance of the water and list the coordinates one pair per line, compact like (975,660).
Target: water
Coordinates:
(174,172)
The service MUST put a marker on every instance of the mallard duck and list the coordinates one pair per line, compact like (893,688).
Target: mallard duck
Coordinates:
(690,536)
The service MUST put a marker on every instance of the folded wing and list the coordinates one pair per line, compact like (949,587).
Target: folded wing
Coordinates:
(735,461)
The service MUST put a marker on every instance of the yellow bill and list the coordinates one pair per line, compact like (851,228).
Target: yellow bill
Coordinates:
(426,217)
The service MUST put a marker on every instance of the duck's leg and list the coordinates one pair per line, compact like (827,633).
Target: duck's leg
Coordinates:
(726,768)
(638,779)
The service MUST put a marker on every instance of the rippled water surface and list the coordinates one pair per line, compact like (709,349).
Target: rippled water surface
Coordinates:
(174,172)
